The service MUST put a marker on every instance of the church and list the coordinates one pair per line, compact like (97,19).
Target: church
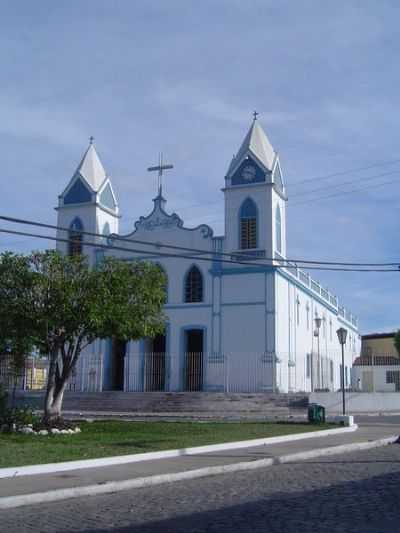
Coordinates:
(240,316)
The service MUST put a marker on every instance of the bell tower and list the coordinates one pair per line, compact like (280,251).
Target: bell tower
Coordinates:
(87,204)
(255,199)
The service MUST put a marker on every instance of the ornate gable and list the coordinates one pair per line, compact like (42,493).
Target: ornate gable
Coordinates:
(159,219)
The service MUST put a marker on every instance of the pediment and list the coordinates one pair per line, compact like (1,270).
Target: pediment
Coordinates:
(160,220)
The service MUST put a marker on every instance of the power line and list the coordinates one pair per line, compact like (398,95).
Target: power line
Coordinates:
(344,172)
(191,256)
(340,193)
(303,193)
(189,249)
(344,183)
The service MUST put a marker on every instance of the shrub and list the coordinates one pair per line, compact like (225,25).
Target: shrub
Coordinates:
(3,400)
(17,418)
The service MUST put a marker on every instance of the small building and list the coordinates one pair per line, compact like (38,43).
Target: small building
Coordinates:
(378,367)
(379,344)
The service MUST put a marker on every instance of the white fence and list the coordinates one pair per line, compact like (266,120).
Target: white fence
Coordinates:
(198,371)
(358,402)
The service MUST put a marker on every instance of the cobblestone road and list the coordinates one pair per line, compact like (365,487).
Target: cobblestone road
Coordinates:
(351,493)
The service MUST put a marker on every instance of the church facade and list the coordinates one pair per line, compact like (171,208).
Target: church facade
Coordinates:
(241,318)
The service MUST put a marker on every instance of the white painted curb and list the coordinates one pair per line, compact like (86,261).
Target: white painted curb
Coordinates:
(119,486)
(51,468)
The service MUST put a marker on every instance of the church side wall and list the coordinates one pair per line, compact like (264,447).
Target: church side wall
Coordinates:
(307,360)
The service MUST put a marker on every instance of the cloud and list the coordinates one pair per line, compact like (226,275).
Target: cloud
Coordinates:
(21,120)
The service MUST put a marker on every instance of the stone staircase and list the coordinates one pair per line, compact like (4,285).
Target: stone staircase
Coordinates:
(193,404)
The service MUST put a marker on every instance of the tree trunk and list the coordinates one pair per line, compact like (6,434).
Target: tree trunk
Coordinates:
(56,384)
(53,403)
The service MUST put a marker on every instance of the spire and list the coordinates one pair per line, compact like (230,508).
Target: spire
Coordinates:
(91,169)
(256,143)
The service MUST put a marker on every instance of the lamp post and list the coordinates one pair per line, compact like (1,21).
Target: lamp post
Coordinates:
(342,334)
(318,321)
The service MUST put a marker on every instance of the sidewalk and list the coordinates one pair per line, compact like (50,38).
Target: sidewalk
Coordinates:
(41,483)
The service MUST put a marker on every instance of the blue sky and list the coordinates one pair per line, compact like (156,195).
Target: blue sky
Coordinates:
(184,77)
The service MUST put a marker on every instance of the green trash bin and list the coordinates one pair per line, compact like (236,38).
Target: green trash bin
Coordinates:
(316,413)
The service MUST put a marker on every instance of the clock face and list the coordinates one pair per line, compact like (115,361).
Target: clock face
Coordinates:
(248,173)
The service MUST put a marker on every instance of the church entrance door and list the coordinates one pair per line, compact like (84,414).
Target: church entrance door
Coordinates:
(117,365)
(194,339)
(154,366)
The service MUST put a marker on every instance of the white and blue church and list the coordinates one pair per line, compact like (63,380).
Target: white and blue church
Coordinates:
(240,317)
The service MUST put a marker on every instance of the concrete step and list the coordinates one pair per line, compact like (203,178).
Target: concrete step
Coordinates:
(182,402)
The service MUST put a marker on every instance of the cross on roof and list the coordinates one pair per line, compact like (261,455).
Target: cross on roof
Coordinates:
(255,115)
(91,139)
(160,167)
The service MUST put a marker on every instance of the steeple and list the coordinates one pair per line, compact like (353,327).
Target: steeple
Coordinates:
(255,199)
(91,169)
(88,201)
(257,144)
(256,148)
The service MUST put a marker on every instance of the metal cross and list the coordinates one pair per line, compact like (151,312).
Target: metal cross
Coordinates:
(160,167)
(91,139)
(255,114)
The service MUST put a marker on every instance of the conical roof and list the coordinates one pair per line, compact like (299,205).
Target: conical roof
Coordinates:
(91,169)
(256,143)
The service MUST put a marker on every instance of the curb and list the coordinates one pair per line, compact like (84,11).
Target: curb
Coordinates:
(52,468)
(119,486)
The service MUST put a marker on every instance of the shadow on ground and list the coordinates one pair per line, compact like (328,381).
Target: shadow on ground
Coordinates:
(370,505)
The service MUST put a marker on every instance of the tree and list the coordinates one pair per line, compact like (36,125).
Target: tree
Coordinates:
(397,342)
(17,325)
(74,304)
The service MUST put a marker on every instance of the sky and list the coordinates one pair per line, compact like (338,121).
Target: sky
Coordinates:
(184,77)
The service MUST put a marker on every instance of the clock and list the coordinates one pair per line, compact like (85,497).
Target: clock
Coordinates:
(248,173)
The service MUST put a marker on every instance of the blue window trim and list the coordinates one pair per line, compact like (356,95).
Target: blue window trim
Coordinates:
(193,265)
(249,201)
(78,193)
(106,198)
(76,225)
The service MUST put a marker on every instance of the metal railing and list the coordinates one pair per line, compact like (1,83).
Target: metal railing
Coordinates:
(214,372)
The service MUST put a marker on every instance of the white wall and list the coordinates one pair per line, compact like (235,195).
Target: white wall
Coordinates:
(373,378)
(358,402)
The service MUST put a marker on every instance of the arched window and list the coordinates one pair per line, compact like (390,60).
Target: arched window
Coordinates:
(194,285)
(106,233)
(248,225)
(75,237)
(278,229)
(106,229)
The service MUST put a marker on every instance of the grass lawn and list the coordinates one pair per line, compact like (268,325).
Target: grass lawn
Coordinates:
(106,438)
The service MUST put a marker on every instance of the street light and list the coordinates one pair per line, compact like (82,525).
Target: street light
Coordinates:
(318,322)
(342,334)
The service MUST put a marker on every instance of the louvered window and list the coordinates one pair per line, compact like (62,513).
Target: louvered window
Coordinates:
(194,285)
(248,225)
(278,229)
(75,237)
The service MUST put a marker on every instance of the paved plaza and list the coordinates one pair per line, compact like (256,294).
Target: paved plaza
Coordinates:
(354,492)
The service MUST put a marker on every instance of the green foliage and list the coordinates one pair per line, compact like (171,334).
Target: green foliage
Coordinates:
(397,341)
(17,317)
(3,400)
(18,417)
(60,305)
(75,302)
